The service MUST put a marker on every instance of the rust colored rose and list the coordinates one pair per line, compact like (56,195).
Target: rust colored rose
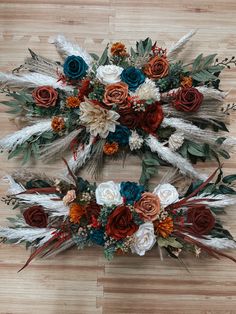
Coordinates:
(110,148)
(58,124)
(152,117)
(116,93)
(201,218)
(188,99)
(157,67)
(148,207)
(130,118)
(35,216)
(118,49)
(92,210)
(120,223)
(45,96)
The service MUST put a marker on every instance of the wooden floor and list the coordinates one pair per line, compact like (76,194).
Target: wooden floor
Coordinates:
(82,282)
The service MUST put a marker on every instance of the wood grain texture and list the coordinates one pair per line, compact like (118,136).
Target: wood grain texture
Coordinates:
(82,282)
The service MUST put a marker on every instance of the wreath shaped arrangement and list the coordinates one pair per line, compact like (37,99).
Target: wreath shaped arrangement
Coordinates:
(146,102)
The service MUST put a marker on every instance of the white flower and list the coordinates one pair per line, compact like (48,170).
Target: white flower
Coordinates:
(148,90)
(167,194)
(98,120)
(108,193)
(176,140)
(109,74)
(69,197)
(135,141)
(143,239)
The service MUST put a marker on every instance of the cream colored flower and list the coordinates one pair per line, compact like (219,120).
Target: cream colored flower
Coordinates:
(135,141)
(109,74)
(108,193)
(143,239)
(147,90)
(69,197)
(167,194)
(98,120)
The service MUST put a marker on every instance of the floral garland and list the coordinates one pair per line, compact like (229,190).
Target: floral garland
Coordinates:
(145,102)
(121,217)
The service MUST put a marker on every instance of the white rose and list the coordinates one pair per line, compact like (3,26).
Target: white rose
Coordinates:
(167,194)
(108,193)
(109,74)
(143,239)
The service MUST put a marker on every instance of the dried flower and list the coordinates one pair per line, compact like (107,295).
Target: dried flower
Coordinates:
(176,140)
(186,81)
(76,213)
(110,148)
(135,141)
(119,49)
(72,102)
(69,197)
(147,90)
(58,124)
(98,120)
(164,227)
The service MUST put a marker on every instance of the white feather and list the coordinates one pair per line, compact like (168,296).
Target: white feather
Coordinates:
(11,141)
(53,207)
(173,158)
(56,148)
(83,153)
(31,80)
(27,234)
(179,45)
(14,187)
(65,48)
(216,200)
(216,243)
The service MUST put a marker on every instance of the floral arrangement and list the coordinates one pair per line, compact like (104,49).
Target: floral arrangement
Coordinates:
(145,101)
(56,214)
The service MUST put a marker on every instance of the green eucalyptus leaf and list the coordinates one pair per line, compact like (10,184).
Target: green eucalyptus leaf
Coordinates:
(229,179)
(170,241)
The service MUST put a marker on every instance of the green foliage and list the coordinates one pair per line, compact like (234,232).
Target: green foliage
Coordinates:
(173,79)
(203,69)
(109,252)
(104,57)
(97,93)
(229,179)
(170,241)
(20,101)
(150,165)
(143,47)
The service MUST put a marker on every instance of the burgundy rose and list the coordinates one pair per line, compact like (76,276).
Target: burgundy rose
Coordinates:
(130,118)
(45,96)
(201,218)
(35,216)
(120,223)
(152,117)
(188,99)
(92,210)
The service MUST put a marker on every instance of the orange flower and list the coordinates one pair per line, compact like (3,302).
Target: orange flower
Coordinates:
(186,81)
(157,68)
(164,227)
(58,124)
(76,213)
(110,148)
(72,102)
(118,49)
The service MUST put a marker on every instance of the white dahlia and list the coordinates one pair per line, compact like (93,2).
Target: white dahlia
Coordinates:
(135,141)
(147,90)
(98,120)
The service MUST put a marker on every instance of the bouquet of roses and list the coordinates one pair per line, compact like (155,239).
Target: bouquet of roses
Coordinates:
(145,101)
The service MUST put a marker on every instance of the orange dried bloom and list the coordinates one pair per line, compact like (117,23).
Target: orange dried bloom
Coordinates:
(58,124)
(164,227)
(76,213)
(186,81)
(72,102)
(118,49)
(110,148)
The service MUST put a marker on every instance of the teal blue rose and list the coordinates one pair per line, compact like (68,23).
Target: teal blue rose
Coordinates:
(120,136)
(97,236)
(131,191)
(132,77)
(75,67)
